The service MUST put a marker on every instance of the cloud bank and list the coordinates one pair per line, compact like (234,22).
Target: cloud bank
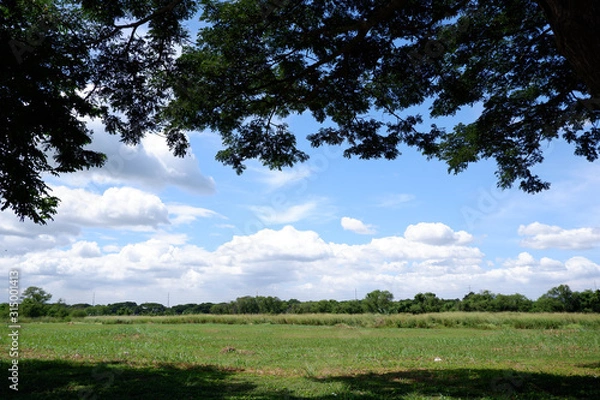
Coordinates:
(541,236)
(291,263)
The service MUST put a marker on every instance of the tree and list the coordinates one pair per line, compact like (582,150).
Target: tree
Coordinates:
(557,299)
(345,61)
(379,301)
(270,305)
(571,21)
(63,61)
(123,308)
(58,309)
(425,303)
(36,295)
(482,301)
(151,309)
(246,305)
(350,307)
(513,302)
(528,64)
(589,300)
(34,302)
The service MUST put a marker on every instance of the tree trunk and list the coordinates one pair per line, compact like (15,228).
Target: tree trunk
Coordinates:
(576,26)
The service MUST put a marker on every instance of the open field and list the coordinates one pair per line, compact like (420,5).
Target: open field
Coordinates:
(133,360)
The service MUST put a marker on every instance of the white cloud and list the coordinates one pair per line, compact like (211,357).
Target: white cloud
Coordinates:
(149,165)
(185,214)
(123,208)
(356,226)
(436,234)
(290,263)
(285,215)
(86,249)
(280,261)
(543,236)
(525,268)
(18,237)
(271,246)
(116,207)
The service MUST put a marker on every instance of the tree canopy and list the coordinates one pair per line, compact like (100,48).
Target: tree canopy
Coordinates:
(359,67)
(69,60)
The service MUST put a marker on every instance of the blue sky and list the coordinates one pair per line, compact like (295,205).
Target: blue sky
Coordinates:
(149,227)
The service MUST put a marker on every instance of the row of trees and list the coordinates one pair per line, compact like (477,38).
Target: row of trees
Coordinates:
(35,303)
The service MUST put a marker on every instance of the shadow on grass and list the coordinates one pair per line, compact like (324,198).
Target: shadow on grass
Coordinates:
(470,384)
(43,379)
(49,379)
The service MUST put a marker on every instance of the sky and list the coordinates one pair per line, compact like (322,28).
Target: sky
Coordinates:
(150,227)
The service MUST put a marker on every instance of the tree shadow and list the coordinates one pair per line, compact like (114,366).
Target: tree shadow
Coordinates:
(56,379)
(52,379)
(470,384)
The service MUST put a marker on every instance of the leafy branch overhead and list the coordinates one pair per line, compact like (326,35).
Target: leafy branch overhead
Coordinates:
(66,61)
(358,67)
(348,63)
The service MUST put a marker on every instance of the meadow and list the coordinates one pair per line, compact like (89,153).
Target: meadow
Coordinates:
(436,356)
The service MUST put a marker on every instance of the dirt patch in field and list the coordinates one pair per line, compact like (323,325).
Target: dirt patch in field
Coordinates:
(231,349)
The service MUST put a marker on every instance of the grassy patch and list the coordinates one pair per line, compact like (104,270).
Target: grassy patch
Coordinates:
(435,320)
(282,361)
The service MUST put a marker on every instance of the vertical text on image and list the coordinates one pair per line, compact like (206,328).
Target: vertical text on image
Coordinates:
(14,326)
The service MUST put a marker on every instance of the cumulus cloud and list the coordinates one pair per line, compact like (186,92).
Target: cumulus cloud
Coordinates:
(356,226)
(541,236)
(436,234)
(290,263)
(278,261)
(526,269)
(116,207)
(18,237)
(149,165)
(269,245)
(123,208)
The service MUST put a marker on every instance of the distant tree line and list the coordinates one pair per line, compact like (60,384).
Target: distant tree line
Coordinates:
(35,303)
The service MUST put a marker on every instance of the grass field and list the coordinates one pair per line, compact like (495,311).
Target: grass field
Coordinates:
(143,359)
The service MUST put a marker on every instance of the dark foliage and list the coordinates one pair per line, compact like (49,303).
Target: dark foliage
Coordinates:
(361,67)
(557,299)
(358,67)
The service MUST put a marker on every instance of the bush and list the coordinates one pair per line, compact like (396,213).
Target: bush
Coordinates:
(78,314)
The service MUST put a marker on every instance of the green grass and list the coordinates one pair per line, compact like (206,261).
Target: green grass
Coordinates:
(283,361)
(435,320)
